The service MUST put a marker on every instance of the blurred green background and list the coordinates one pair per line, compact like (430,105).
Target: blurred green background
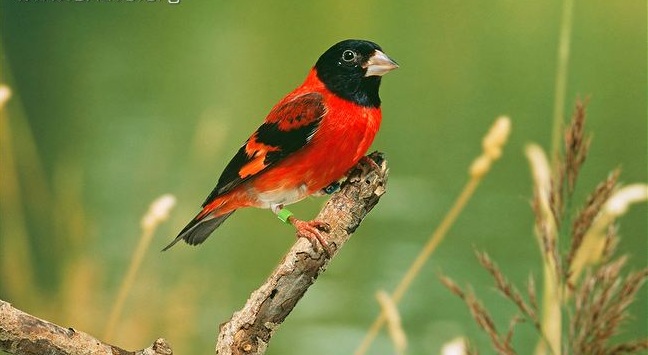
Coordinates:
(116,103)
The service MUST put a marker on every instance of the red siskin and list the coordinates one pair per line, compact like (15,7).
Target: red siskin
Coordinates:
(309,140)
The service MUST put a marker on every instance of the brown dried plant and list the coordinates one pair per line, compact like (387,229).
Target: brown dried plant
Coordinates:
(583,221)
(594,306)
(501,343)
(599,309)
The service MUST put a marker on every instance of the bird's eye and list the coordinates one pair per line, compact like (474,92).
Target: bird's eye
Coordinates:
(348,55)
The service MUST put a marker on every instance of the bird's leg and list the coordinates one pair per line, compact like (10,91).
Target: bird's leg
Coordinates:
(311,230)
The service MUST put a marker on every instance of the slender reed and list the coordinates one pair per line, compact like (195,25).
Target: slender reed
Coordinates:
(586,297)
(492,145)
(16,284)
(157,213)
(561,76)
(394,324)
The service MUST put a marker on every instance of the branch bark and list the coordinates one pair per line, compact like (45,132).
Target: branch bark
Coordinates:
(24,334)
(250,329)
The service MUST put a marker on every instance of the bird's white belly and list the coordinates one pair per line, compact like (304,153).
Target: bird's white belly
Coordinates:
(273,198)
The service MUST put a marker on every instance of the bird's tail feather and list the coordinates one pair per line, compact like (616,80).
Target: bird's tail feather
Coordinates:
(199,229)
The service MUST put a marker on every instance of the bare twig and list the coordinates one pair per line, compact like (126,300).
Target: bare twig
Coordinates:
(24,334)
(250,329)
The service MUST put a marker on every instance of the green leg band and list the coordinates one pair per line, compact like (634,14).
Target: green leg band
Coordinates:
(283,215)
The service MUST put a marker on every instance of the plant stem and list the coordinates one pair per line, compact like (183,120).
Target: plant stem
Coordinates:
(413,271)
(561,77)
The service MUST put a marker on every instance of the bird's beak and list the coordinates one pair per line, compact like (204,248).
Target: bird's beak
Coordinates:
(379,64)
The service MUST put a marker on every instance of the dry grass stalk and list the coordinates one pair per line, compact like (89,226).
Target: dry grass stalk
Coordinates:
(595,240)
(507,288)
(567,167)
(492,146)
(561,73)
(485,321)
(552,257)
(587,215)
(556,202)
(531,291)
(502,344)
(547,230)
(576,146)
(631,347)
(600,309)
(611,242)
(158,212)
(15,252)
(546,223)
(394,324)
(517,319)
(452,286)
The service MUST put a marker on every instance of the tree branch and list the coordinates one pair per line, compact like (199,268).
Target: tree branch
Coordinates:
(250,329)
(24,334)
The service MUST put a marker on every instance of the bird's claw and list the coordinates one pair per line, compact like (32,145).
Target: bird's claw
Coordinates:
(312,230)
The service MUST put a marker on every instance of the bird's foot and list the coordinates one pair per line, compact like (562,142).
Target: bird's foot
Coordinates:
(312,230)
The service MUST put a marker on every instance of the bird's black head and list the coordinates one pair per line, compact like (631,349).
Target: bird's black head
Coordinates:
(352,70)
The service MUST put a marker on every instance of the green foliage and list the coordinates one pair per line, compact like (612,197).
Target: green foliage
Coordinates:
(117,103)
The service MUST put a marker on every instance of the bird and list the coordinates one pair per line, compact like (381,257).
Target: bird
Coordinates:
(309,141)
